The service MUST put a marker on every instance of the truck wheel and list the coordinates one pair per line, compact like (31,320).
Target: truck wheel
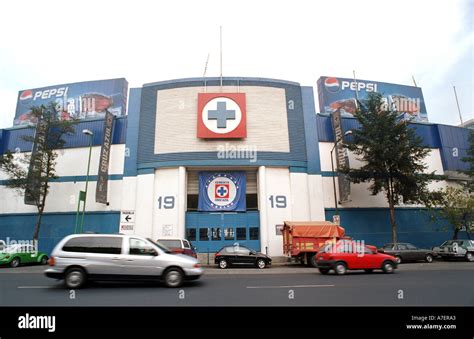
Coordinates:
(469,256)
(312,261)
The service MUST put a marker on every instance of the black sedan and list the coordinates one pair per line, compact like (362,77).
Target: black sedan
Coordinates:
(241,255)
(404,252)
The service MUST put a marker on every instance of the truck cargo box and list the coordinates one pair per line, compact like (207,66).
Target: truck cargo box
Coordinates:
(303,239)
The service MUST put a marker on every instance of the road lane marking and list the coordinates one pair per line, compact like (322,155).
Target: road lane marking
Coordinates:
(33,286)
(292,286)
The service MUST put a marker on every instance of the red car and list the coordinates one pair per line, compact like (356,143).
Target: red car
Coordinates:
(353,255)
(182,246)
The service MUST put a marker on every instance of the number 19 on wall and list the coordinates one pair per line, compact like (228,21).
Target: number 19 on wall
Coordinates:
(166,202)
(277,201)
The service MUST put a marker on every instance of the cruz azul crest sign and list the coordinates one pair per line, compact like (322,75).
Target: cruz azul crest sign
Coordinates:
(222,191)
(222,115)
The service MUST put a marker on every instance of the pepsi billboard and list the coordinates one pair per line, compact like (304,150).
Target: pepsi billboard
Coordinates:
(340,94)
(80,100)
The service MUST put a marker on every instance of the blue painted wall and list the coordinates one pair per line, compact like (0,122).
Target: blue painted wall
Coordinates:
(206,220)
(12,138)
(454,146)
(373,226)
(55,226)
(428,132)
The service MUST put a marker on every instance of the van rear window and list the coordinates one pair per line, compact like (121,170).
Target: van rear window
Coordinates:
(105,245)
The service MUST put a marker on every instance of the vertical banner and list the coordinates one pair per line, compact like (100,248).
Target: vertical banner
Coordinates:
(342,159)
(222,191)
(32,190)
(103,174)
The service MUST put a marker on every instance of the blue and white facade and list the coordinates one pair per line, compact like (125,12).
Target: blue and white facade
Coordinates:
(156,159)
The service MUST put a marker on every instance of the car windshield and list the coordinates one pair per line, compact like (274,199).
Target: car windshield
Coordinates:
(170,243)
(160,246)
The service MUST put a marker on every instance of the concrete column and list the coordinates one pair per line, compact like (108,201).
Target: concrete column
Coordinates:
(182,196)
(262,207)
(144,206)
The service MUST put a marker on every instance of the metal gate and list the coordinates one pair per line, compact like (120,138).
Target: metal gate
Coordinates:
(210,231)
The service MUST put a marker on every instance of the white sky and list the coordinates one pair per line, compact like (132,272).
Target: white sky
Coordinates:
(46,42)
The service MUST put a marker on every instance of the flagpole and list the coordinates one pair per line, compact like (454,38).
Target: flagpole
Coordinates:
(220,29)
(413,78)
(205,71)
(457,103)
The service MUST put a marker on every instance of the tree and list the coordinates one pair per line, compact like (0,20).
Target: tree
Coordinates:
(456,205)
(30,174)
(392,156)
(469,159)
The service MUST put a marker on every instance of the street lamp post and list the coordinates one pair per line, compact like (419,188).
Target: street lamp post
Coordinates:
(334,174)
(91,135)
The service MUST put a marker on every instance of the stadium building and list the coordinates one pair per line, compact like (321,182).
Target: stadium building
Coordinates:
(218,165)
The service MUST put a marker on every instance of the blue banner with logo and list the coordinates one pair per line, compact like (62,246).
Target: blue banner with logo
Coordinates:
(222,191)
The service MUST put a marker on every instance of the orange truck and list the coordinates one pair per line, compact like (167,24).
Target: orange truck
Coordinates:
(303,239)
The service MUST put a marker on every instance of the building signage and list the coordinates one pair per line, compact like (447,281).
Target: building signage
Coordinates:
(80,100)
(103,175)
(127,222)
(222,191)
(342,159)
(33,186)
(340,94)
(221,116)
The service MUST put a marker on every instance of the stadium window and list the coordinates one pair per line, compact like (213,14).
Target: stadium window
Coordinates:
(252,202)
(254,233)
(192,202)
(203,234)
(191,234)
(241,233)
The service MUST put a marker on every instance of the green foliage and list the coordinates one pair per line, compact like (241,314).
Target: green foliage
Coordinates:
(470,161)
(456,205)
(392,156)
(17,165)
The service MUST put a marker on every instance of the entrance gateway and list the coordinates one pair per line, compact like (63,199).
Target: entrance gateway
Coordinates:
(222,210)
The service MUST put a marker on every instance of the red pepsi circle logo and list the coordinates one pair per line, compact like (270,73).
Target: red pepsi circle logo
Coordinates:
(26,96)
(332,85)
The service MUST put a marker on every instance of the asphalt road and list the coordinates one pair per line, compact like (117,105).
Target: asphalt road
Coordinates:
(436,284)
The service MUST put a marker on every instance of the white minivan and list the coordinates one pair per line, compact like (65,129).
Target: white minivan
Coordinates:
(81,257)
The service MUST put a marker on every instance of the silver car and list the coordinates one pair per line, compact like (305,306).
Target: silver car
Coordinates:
(81,257)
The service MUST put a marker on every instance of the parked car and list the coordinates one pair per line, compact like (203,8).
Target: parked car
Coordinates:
(351,255)
(456,249)
(405,252)
(240,255)
(179,246)
(118,257)
(17,254)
